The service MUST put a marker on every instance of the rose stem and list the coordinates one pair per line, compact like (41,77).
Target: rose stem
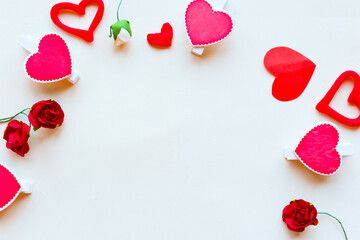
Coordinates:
(117,13)
(8,119)
(325,213)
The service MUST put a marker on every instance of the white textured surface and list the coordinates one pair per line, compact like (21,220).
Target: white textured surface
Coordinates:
(179,147)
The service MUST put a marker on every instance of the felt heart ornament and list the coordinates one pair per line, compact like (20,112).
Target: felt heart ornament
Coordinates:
(292,70)
(324,105)
(204,26)
(52,62)
(10,187)
(317,149)
(87,35)
(162,39)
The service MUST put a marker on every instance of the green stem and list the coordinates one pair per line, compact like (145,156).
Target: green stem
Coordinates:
(29,121)
(110,32)
(8,119)
(325,213)
(117,14)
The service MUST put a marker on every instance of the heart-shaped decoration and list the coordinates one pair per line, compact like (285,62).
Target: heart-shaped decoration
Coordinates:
(317,150)
(204,26)
(324,105)
(52,62)
(164,38)
(87,35)
(10,188)
(293,72)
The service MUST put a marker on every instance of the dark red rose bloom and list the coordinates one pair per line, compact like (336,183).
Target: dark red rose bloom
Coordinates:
(46,114)
(299,214)
(17,135)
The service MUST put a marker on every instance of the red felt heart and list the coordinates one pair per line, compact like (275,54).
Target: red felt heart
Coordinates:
(205,26)
(9,187)
(317,150)
(52,62)
(87,35)
(324,105)
(293,72)
(164,38)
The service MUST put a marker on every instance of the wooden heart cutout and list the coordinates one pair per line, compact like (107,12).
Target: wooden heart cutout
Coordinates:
(52,62)
(87,35)
(317,150)
(292,70)
(10,187)
(204,26)
(324,105)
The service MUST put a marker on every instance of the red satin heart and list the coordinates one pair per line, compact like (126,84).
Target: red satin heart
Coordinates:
(317,150)
(9,187)
(164,38)
(52,62)
(87,35)
(293,72)
(324,105)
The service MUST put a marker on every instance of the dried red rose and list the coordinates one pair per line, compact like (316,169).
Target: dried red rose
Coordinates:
(299,214)
(17,135)
(46,114)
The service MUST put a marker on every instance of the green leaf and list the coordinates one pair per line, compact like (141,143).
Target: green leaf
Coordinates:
(116,28)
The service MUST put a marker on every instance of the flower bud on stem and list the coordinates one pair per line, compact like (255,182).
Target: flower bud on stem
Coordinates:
(8,119)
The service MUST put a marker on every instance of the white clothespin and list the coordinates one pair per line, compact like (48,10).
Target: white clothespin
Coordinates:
(31,45)
(219,4)
(26,187)
(344,149)
(11,187)
(321,150)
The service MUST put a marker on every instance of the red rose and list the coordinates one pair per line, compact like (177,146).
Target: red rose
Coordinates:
(299,214)
(46,114)
(17,135)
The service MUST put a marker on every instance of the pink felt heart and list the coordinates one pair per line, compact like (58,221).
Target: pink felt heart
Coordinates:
(52,62)
(205,26)
(317,150)
(9,187)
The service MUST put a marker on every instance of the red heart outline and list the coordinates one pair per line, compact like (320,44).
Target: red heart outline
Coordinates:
(292,71)
(87,35)
(10,187)
(317,150)
(221,23)
(52,62)
(324,105)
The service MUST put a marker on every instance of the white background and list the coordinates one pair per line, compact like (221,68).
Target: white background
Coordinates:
(163,145)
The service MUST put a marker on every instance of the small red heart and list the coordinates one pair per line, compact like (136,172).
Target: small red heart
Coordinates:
(324,105)
(9,187)
(52,62)
(205,26)
(317,150)
(164,38)
(87,35)
(292,70)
